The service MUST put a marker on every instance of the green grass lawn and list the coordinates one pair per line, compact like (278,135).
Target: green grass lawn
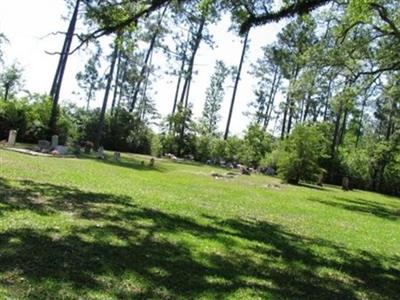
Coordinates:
(88,229)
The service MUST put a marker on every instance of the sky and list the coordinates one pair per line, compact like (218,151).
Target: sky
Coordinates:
(30,26)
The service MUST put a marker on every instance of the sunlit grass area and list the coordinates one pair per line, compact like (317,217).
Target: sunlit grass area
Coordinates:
(91,229)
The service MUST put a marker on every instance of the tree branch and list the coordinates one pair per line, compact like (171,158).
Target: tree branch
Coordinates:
(299,8)
(105,30)
(383,13)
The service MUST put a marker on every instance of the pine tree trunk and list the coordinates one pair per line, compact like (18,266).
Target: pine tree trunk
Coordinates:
(285,112)
(328,96)
(143,72)
(228,124)
(178,86)
(289,107)
(100,125)
(186,87)
(271,99)
(187,93)
(89,97)
(336,132)
(117,76)
(390,121)
(144,97)
(146,61)
(360,121)
(58,78)
(188,79)
(343,129)
(291,111)
(121,84)
(6,91)
(307,108)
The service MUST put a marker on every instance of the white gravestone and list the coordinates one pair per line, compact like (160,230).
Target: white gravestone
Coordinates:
(100,153)
(12,137)
(54,141)
(117,156)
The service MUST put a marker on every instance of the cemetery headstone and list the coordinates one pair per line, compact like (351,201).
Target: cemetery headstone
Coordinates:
(12,137)
(88,147)
(345,183)
(44,145)
(320,180)
(117,156)
(151,163)
(245,171)
(270,171)
(77,149)
(100,153)
(54,141)
(62,150)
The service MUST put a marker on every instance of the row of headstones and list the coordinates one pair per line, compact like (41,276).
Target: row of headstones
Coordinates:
(43,145)
(46,145)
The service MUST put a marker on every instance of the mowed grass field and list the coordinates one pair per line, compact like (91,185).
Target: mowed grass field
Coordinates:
(91,229)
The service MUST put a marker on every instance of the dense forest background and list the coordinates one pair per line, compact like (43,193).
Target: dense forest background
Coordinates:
(336,65)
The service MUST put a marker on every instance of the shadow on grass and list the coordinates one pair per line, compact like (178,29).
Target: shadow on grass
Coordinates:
(364,206)
(118,249)
(128,162)
(311,186)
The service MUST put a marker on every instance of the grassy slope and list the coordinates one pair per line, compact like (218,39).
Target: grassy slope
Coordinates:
(74,228)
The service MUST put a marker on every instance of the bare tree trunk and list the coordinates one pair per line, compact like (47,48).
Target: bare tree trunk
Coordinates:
(58,78)
(289,105)
(285,112)
(6,91)
(89,97)
(343,129)
(390,121)
(336,132)
(271,99)
(272,103)
(100,125)
(179,84)
(291,109)
(360,121)
(307,108)
(328,96)
(228,124)
(186,87)
(117,77)
(144,97)
(188,79)
(187,93)
(146,60)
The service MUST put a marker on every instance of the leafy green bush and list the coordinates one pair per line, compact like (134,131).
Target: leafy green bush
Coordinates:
(30,117)
(204,147)
(300,153)
(357,166)
(256,144)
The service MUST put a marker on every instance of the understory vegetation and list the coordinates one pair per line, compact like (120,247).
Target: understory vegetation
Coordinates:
(303,156)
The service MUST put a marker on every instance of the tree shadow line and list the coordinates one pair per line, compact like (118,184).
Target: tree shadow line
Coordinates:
(360,205)
(131,241)
(128,162)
